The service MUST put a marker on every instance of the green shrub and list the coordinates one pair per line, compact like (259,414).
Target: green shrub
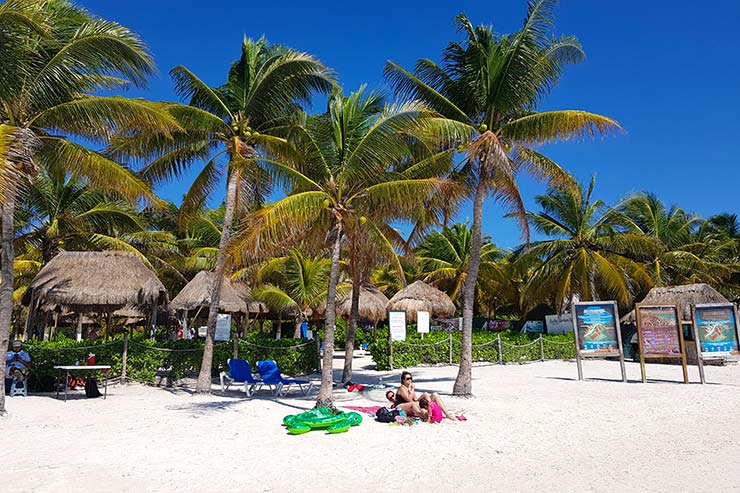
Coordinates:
(177,359)
(434,348)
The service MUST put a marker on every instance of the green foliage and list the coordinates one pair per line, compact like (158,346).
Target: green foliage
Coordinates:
(149,359)
(435,348)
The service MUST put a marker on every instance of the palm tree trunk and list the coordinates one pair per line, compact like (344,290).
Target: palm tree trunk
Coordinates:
(326,397)
(204,377)
(279,326)
(6,277)
(464,381)
(349,344)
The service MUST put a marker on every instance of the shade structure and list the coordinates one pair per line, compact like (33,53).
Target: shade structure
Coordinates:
(371,306)
(99,282)
(235,296)
(685,295)
(421,297)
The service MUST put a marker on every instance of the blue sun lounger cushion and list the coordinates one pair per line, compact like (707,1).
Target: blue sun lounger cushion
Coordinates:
(240,372)
(271,376)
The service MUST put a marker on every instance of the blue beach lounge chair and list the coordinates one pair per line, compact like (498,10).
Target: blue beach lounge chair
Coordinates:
(271,376)
(240,372)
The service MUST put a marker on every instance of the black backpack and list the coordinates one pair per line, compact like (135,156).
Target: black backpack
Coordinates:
(91,387)
(385,415)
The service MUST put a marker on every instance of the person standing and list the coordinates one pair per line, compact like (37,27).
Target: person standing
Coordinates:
(17,362)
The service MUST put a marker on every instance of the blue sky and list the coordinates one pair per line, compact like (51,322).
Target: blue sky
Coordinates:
(668,71)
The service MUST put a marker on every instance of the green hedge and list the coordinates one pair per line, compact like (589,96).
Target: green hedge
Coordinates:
(181,359)
(434,348)
(340,335)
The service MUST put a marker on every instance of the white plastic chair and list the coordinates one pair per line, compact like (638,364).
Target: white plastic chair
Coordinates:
(14,390)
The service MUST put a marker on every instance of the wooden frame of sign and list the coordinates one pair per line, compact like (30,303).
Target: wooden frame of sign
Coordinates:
(700,355)
(667,339)
(583,352)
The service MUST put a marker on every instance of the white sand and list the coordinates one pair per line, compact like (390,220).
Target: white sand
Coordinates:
(530,427)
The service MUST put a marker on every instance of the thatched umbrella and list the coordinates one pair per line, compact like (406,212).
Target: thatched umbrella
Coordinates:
(371,306)
(94,282)
(235,297)
(686,296)
(421,297)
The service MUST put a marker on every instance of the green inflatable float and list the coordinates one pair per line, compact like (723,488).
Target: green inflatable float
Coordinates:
(330,419)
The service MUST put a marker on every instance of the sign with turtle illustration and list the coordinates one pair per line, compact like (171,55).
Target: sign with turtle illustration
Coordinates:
(660,334)
(715,333)
(597,333)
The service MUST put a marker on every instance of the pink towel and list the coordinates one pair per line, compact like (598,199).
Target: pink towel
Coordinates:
(368,410)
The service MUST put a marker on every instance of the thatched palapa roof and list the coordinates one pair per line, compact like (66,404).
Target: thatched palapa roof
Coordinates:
(97,282)
(372,304)
(421,297)
(235,296)
(686,296)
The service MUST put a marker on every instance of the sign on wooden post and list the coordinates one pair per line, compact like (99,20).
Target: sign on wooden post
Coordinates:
(716,332)
(597,332)
(396,331)
(660,335)
(422,323)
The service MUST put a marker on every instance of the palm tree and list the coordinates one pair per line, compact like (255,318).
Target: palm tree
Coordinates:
(48,98)
(342,180)
(294,283)
(588,254)
(492,85)
(444,256)
(689,248)
(61,212)
(239,121)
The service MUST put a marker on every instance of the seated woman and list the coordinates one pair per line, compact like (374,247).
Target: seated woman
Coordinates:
(405,398)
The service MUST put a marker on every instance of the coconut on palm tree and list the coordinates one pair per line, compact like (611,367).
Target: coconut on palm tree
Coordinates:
(48,97)
(492,85)
(341,180)
(229,128)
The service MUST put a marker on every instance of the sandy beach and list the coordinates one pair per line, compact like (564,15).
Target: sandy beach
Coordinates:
(530,427)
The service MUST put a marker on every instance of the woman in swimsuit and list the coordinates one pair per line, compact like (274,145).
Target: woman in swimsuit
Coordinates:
(405,398)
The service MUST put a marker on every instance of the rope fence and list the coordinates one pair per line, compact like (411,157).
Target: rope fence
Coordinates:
(494,351)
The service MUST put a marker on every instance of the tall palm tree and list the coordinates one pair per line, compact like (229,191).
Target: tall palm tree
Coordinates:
(444,257)
(48,97)
(229,128)
(492,84)
(341,179)
(587,256)
(294,283)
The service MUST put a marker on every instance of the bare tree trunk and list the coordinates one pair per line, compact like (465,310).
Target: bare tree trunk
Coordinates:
(279,326)
(326,397)
(464,381)
(6,277)
(349,344)
(204,377)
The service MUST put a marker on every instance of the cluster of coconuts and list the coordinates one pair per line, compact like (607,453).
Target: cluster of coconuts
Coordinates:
(248,132)
(362,219)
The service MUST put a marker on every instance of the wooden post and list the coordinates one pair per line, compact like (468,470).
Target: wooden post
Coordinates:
(29,317)
(575,338)
(154,319)
(542,348)
(236,345)
(79,326)
(699,360)
(124,358)
(53,332)
(500,353)
(450,339)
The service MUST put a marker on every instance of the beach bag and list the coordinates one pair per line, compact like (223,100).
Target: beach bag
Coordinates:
(91,387)
(385,415)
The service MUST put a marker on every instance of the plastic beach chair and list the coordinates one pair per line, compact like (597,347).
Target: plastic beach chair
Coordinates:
(271,376)
(240,372)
